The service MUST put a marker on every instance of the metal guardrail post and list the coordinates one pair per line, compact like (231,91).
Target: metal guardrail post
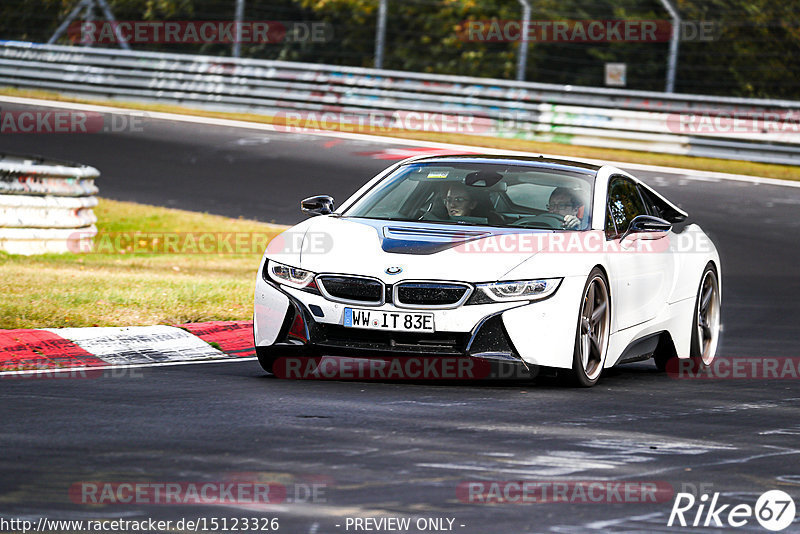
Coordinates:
(380,34)
(238,18)
(674,40)
(522,55)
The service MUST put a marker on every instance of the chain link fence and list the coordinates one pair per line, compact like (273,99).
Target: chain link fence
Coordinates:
(744,48)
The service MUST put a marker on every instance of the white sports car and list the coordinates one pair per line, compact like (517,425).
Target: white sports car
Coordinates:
(544,262)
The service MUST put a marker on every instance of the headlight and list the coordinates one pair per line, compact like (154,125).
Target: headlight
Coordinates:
(520,289)
(291,276)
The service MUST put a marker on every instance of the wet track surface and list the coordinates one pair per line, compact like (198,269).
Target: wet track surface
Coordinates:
(402,449)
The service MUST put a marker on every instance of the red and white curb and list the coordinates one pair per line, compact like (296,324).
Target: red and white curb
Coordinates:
(57,349)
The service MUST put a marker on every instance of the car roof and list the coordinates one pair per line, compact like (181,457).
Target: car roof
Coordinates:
(539,162)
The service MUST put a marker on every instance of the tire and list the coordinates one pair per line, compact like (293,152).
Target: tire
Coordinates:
(592,334)
(266,357)
(706,319)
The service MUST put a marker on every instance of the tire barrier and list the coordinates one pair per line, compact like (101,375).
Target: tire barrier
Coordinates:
(46,206)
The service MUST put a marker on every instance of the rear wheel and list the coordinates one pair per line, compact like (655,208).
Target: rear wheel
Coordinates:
(591,339)
(706,319)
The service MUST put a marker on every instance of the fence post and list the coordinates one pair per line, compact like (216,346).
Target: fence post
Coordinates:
(237,35)
(672,62)
(380,34)
(522,58)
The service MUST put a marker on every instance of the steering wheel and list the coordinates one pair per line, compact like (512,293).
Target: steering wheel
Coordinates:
(534,219)
(425,211)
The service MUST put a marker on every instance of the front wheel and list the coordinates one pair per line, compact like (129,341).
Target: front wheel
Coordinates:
(706,319)
(591,339)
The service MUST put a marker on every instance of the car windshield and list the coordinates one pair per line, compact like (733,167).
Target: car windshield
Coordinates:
(482,194)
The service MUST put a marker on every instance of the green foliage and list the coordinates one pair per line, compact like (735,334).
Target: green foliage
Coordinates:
(754,52)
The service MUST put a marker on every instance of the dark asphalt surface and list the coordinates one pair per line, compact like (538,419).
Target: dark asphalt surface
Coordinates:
(399,449)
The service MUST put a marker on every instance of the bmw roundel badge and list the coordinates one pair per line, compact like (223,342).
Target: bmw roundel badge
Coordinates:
(394,270)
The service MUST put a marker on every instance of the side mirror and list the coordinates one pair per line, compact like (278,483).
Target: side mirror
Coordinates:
(318,205)
(647,224)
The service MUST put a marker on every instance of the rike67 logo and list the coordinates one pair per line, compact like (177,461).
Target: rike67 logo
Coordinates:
(774,510)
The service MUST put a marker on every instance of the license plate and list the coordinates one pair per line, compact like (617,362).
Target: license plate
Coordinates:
(383,320)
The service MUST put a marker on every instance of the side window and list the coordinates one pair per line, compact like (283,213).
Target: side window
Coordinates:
(624,203)
(611,228)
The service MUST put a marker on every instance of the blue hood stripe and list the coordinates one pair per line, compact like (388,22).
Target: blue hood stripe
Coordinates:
(423,239)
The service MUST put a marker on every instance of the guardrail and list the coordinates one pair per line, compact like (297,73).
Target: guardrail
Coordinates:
(718,127)
(46,206)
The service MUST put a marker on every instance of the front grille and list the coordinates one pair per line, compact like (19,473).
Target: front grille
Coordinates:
(430,294)
(352,289)
(348,339)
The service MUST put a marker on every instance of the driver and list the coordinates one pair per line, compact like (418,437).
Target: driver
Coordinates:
(459,201)
(564,202)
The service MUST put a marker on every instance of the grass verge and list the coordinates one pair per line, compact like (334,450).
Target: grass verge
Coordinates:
(785,172)
(127,287)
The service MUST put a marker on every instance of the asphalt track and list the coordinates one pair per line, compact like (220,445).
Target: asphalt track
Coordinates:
(402,449)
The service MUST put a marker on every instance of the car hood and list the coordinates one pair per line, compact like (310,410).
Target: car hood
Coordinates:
(421,250)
